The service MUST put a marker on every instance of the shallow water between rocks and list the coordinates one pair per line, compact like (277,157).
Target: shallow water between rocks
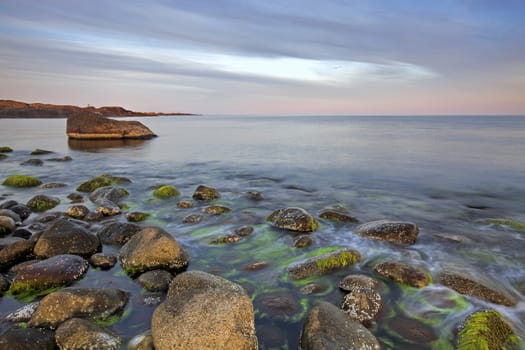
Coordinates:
(449,175)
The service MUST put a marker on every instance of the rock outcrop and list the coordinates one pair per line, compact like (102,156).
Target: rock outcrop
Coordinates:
(93,126)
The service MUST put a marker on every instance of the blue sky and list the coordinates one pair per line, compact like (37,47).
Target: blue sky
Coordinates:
(267,57)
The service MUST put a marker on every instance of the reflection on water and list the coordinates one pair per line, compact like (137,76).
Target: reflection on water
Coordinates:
(94,145)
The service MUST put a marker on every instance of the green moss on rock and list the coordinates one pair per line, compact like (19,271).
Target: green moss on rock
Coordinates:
(486,330)
(324,264)
(21,181)
(166,191)
(42,203)
(94,183)
(5,149)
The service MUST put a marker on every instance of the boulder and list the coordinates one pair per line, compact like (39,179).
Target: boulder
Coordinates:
(205,193)
(16,252)
(7,225)
(404,273)
(391,231)
(11,214)
(21,181)
(486,329)
(204,311)
(41,202)
(324,264)
(94,183)
(326,327)
(77,334)
(85,125)
(66,237)
(99,304)
(22,210)
(19,338)
(58,271)
(103,261)
(293,219)
(151,249)
(362,304)
(117,233)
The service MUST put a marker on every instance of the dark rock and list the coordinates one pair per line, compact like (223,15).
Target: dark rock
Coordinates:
(137,216)
(362,304)
(185,204)
(243,231)
(58,271)
(302,241)
(94,183)
(33,162)
(51,185)
(293,219)
(278,305)
(391,231)
(103,261)
(412,330)
(5,149)
(98,304)
(93,216)
(205,193)
(85,125)
(11,214)
(40,203)
(77,333)
(351,282)
(156,280)
(66,237)
(226,239)
(8,204)
(117,233)
(4,284)
(61,159)
(22,233)
(312,288)
(75,198)
(107,199)
(39,152)
(323,264)
(16,338)
(404,273)
(484,290)
(216,210)
(326,327)
(254,195)
(22,210)
(486,329)
(151,249)
(6,225)
(193,219)
(50,217)
(336,215)
(15,253)
(77,211)
(204,311)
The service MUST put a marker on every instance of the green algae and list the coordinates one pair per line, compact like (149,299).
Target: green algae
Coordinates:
(334,262)
(5,149)
(21,181)
(26,292)
(509,223)
(42,203)
(166,191)
(486,330)
(112,319)
(94,183)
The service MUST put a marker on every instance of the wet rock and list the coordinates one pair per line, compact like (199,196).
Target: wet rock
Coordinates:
(156,280)
(6,225)
(22,232)
(391,231)
(22,314)
(22,210)
(88,125)
(324,264)
(353,281)
(98,304)
(326,327)
(243,231)
(205,193)
(5,149)
(302,241)
(66,237)
(404,273)
(8,204)
(21,181)
(226,239)
(94,183)
(4,284)
(336,215)
(362,304)
(293,219)
(142,341)
(49,217)
(33,162)
(277,305)
(15,253)
(103,261)
(254,195)
(60,159)
(107,199)
(75,198)
(193,219)
(58,271)
(94,216)
(216,210)
(77,333)
(204,311)
(77,211)
(137,216)
(39,152)
(117,233)
(312,288)
(185,204)
(486,329)
(412,330)
(256,266)
(16,338)
(166,191)
(151,249)
(51,185)
(484,290)
(40,203)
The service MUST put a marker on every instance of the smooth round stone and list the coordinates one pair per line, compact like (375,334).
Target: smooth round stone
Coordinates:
(403,273)
(77,211)
(6,225)
(102,261)
(11,214)
(351,282)
(156,280)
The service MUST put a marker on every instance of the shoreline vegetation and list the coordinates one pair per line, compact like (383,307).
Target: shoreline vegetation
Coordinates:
(10,109)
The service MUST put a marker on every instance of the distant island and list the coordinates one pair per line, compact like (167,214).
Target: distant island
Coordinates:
(15,109)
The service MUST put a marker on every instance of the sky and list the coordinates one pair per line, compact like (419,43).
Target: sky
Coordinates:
(388,57)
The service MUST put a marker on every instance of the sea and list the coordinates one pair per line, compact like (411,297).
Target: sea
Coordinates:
(461,179)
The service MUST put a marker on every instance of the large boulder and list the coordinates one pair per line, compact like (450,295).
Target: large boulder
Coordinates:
(151,249)
(85,125)
(391,231)
(99,304)
(293,219)
(66,237)
(326,327)
(204,311)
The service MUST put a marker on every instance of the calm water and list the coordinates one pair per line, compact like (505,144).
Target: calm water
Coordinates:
(447,174)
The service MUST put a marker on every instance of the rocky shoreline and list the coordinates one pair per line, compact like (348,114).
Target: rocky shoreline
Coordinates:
(45,254)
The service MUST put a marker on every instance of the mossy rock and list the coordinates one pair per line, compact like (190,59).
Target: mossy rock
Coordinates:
(216,210)
(21,181)
(42,203)
(137,216)
(293,219)
(486,329)
(39,152)
(512,224)
(5,149)
(320,265)
(94,183)
(205,193)
(166,191)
